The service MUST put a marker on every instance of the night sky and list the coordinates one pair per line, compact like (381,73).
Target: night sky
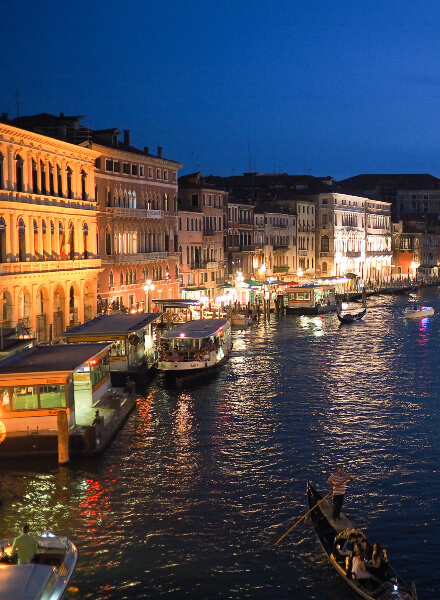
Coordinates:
(318,87)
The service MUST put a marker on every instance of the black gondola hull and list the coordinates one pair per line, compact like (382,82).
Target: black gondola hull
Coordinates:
(328,530)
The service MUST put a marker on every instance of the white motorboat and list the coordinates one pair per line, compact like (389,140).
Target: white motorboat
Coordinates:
(418,312)
(195,346)
(46,578)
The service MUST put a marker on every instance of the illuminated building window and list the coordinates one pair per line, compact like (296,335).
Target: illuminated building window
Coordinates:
(19,173)
(21,241)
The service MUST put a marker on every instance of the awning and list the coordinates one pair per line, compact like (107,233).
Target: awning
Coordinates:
(254,283)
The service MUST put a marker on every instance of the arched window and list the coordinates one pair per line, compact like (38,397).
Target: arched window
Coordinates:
(59,181)
(43,177)
(108,243)
(34,176)
(111,279)
(61,241)
(51,180)
(21,241)
(35,227)
(71,242)
(2,240)
(324,267)
(69,182)
(121,278)
(324,243)
(19,174)
(44,232)
(85,235)
(83,184)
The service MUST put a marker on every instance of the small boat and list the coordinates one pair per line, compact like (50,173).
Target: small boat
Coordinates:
(330,533)
(418,312)
(351,317)
(195,346)
(46,577)
(240,320)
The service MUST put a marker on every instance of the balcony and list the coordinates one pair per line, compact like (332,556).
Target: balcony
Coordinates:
(282,247)
(281,269)
(140,257)
(48,266)
(247,248)
(198,265)
(303,252)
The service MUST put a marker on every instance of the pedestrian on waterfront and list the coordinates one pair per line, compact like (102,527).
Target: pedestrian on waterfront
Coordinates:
(25,545)
(338,481)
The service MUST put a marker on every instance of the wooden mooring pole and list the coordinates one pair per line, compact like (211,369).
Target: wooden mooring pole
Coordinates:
(63,438)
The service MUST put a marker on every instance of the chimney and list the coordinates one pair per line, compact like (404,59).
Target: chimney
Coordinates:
(159,151)
(127,137)
(146,149)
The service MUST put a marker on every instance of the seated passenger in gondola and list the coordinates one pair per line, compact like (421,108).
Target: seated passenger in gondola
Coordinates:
(377,564)
(359,568)
(365,546)
(345,549)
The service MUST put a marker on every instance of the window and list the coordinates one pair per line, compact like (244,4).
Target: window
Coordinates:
(150,172)
(126,168)
(194,200)
(158,174)
(141,171)
(165,175)
(134,169)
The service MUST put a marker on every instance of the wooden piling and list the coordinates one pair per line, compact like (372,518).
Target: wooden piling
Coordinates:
(63,437)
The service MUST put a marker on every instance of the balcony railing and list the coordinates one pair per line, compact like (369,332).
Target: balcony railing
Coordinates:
(140,257)
(47,266)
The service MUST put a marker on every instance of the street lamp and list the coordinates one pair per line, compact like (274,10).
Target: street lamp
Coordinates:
(148,288)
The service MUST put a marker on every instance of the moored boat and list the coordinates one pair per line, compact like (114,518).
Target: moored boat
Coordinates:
(311,299)
(330,533)
(47,577)
(417,311)
(195,346)
(240,320)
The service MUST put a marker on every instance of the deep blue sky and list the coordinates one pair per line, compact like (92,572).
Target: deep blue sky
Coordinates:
(323,87)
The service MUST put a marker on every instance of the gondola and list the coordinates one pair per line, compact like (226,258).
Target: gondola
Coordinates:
(350,317)
(330,533)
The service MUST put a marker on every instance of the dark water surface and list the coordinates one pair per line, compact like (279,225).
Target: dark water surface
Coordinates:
(203,479)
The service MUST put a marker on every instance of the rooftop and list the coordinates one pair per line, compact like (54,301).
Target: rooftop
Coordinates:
(56,358)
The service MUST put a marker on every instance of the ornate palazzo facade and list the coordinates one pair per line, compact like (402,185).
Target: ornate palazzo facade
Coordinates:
(48,230)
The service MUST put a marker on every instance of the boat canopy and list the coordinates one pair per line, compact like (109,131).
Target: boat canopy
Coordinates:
(197,329)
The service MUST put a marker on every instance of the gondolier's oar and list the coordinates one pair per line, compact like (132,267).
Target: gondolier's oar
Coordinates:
(303,517)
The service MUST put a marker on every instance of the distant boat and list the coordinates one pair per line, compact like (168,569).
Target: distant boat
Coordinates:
(195,346)
(418,312)
(46,577)
(240,320)
(351,317)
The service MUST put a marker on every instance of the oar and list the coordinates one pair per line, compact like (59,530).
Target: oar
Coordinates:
(303,517)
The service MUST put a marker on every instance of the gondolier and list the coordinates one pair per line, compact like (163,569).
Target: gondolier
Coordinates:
(338,481)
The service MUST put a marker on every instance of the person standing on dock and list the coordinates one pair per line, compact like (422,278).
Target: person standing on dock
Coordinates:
(338,481)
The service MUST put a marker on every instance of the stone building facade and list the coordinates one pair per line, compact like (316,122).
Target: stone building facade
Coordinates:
(49,265)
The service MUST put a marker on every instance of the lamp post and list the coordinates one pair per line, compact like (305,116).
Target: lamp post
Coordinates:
(148,288)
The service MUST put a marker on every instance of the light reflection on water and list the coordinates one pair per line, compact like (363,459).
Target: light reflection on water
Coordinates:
(203,479)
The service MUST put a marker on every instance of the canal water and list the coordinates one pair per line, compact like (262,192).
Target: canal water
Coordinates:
(203,479)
